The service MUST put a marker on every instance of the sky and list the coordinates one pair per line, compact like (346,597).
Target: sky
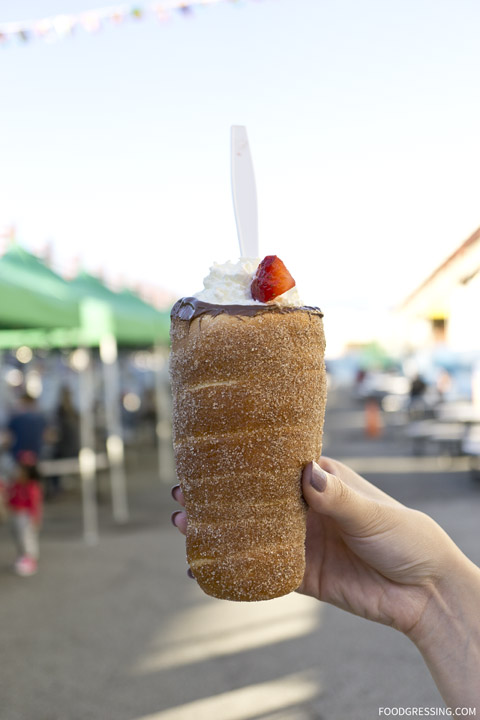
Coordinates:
(363,125)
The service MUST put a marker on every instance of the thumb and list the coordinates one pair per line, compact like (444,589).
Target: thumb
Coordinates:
(355,513)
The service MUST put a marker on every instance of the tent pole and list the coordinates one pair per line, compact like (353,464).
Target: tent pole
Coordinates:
(163,430)
(115,446)
(86,455)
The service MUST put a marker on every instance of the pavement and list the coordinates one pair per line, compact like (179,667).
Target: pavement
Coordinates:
(119,632)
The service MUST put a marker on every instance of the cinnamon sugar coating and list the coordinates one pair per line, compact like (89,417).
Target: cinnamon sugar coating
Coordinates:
(249,396)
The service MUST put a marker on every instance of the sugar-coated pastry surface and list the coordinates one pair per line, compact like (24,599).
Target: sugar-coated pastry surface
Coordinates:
(249,395)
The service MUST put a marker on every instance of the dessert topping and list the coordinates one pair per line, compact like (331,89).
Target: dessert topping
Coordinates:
(271,279)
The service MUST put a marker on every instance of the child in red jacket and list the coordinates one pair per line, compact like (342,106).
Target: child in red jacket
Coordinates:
(24,500)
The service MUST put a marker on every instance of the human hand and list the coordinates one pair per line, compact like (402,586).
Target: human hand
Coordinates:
(371,555)
(366,552)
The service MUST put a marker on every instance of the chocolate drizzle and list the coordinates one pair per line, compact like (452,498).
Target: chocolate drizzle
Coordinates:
(189,308)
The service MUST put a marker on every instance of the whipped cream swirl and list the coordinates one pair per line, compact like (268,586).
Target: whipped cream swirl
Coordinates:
(229,284)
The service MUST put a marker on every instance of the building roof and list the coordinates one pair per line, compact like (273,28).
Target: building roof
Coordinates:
(458,268)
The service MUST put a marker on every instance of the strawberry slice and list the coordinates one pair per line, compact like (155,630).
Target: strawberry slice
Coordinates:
(271,279)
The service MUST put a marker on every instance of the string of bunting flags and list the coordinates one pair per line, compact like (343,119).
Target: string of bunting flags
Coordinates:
(61,26)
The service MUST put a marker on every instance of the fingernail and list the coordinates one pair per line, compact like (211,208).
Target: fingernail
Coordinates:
(190,574)
(318,478)
(174,488)
(173,516)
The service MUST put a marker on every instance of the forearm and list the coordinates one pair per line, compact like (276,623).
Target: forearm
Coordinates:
(448,636)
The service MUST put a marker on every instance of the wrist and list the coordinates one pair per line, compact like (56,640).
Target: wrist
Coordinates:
(452,601)
(448,633)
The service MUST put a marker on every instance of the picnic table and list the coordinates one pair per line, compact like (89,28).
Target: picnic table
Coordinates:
(454,431)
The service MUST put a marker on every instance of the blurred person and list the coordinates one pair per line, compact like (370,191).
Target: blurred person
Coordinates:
(7,470)
(149,414)
(130,418)
(362,383)
(7,462)
(24,502)
(443,384)
(67,425)
(360,376)
(3,505)
(26,428)
(66,435)
(417,405)
(374,557)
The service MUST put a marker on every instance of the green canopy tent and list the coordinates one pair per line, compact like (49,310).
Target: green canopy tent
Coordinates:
(40,309)
(158,320)
(32,295)
(133,322)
